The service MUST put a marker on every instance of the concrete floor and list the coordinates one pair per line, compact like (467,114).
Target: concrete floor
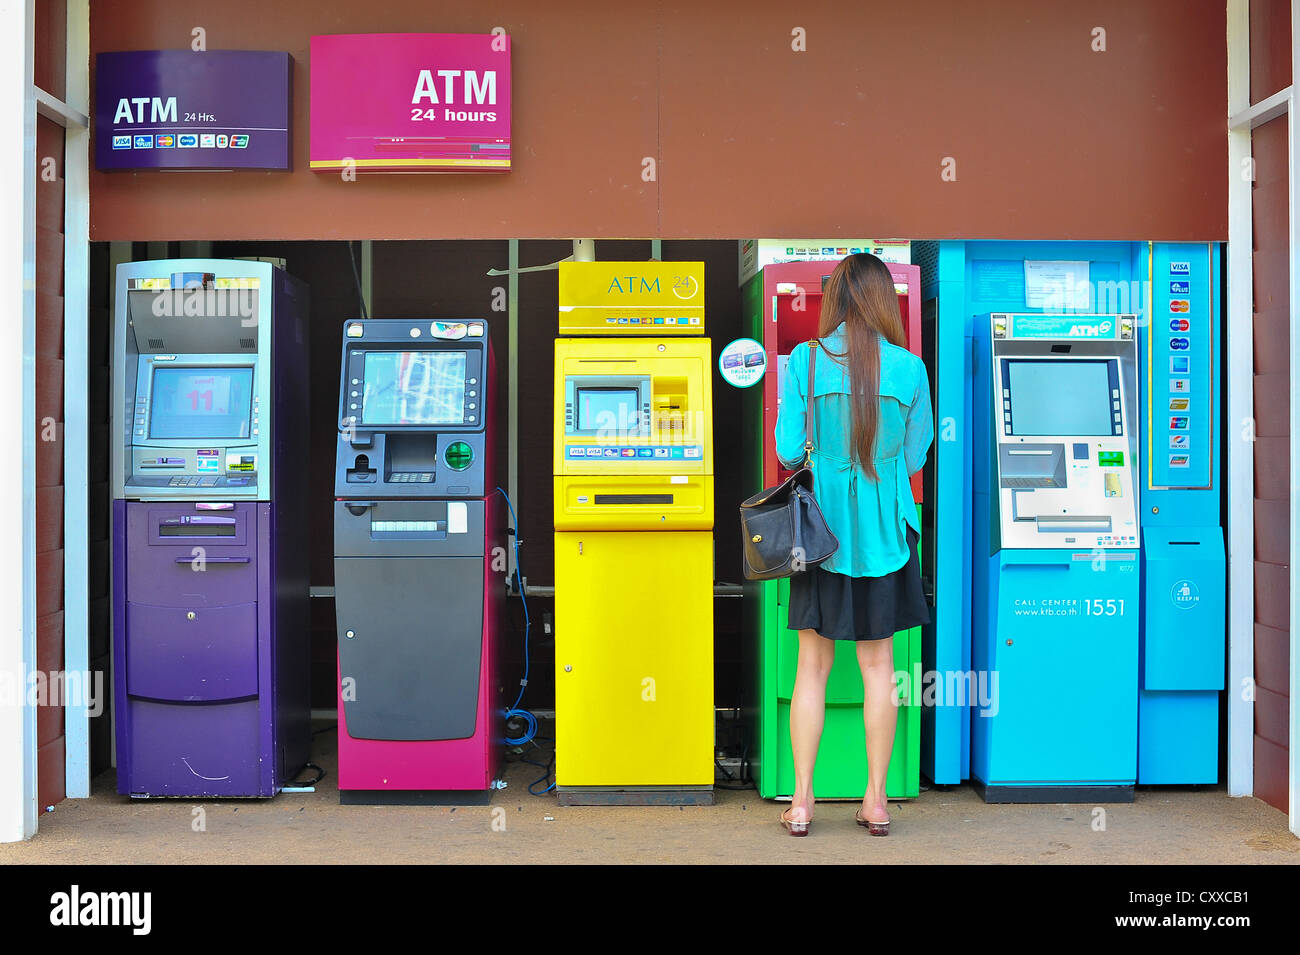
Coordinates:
(953,826)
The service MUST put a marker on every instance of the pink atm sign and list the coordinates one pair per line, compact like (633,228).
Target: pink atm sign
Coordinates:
(410,102)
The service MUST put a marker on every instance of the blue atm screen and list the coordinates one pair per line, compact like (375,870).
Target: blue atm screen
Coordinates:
(1068,397)
(414,387)
(606,409)
(201,403)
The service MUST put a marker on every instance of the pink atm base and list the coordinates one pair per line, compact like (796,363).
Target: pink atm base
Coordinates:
(437,772)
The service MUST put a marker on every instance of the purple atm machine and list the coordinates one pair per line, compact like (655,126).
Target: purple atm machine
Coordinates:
(210,583)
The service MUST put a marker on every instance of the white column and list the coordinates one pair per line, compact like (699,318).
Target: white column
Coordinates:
(18,398)
(1293,239)
(76,416)
(1239,323)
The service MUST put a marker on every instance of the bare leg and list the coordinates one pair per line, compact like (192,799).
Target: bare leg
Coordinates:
(807,716)
(880,716)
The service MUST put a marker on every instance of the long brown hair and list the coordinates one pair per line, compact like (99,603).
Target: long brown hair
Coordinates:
(860,294)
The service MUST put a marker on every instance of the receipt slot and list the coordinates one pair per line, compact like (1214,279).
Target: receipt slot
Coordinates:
(210,582)
(1056,569)
(416,522)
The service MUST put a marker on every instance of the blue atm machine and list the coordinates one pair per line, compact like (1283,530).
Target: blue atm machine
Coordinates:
(1056,599)
(1078,562)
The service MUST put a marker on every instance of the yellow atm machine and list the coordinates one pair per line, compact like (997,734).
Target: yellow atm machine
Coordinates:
(633,536)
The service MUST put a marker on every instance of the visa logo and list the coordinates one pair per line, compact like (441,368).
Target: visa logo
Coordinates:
(1180,268)
(122,142)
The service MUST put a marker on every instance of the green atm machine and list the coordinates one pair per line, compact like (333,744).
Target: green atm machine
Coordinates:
(782,304)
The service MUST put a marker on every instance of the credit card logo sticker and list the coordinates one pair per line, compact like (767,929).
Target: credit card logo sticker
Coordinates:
(1180,268)
(187,141)
(239,141)
(1180,288)
(1178,404)
(1179,461)
(1180,305)
(1179,324)
(208,140)
(1179,344)
(165,141)
(1178,365)
(1180,385)
(1178,423)
(222,140)
(1178,442)
(144,142)
(122,142)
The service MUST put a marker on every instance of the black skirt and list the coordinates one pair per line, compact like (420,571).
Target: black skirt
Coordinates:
(859,608)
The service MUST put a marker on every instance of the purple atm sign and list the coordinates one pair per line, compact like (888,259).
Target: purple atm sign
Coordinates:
(177,109)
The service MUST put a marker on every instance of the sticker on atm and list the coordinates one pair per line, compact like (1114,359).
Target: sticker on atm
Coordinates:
(1180,268)
(1178,442)
(1178,423)
(1180,461)
(1180,344)
(1179,365)
(1179,324)
(1180,288)
(1180,305)
(1178,404)
(1180,385)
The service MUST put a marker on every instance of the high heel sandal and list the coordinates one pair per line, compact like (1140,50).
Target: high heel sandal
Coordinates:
(875,828)
(794,828)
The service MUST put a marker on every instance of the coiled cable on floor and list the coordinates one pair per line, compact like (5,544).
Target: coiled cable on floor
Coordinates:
(515,711)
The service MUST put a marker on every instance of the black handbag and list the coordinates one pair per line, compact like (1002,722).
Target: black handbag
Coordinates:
(783,530)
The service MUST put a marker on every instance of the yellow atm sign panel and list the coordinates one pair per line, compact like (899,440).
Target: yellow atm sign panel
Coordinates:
(632,298)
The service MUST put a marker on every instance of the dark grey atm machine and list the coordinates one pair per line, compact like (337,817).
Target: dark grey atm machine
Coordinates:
(418,570)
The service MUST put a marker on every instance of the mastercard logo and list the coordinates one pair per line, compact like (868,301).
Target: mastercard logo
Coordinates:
(1180,305)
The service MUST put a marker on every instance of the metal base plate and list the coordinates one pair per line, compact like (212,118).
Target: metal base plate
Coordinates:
(1045,794)
(647,796)
(415,797)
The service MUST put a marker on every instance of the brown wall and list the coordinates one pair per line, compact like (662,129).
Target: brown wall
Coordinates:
(1270,47)
(49,450)
(1051,139)
(1272,472)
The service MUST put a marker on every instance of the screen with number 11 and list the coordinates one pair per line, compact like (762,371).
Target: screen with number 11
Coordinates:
(201,403)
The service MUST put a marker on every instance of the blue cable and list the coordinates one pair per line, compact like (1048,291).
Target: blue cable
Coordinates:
(514,710)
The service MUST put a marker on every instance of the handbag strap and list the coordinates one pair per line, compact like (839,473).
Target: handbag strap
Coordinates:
(809,425)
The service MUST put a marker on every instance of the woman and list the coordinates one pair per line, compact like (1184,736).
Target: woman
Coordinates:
(873,427)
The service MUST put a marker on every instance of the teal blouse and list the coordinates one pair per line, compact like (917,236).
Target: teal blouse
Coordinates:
(869,518)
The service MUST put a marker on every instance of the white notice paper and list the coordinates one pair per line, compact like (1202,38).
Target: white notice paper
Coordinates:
(1057,285)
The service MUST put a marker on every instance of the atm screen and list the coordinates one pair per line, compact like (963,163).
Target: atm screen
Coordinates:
(1066,397)
(606,409)
(413,387)
(201,402)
